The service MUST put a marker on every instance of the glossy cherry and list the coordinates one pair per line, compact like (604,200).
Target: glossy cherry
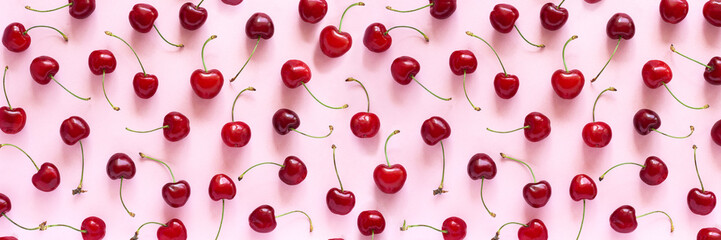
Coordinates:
(463,62)
(12,120)
(296,73)
(536,127)
(646,121)
(439,9)
(94,228)
(716,133)
(174,229)
(206,83)
(673,11)
(176,126)
(533,230)
(710,233)
(142,18)
(404,69)
(5,204)
(47,177)
(597,134)
(78,9)
(653,171)
(262,219)
(236,133)
(712,72)
(377,37)
(102,62)
(175,193)
(712,12)
(623,219)
(312,11)
(16,39)
(339,201)
(120,166)
(506,85)
(656,73)
(144,84)
(286,120)
(364,124)
(582,188)
(334,43)
(292,172)
(73,130)
(536,193)
(433,131)
(700,201)
(454,228)
(44,68)
(619,26)
(192,16)
(259,26)
(8,238)
(503,19)
(371,222)
(221,188)
(553,16)
(567,84)
(389,178)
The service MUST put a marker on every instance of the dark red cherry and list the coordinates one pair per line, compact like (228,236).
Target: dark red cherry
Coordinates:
(655,73)
(716,133)
(710,233)
(73,130)
(102,61)
(120,166)
(145,85)
(623,219)
(583,188)
(434,130)
(340,202)
(539,126)
(284,120)
(535,230)
(5,204)
(503,17)
(94,228)
(259,25)
(644,120)
(376,38)
(232,2)
(371,222)
(654,171)
(235,134)
(597,134)
(390,179)
(442,9)
(294,73)
(191,16)
(537,194)
(365,124)
(81,9)
(553,17)
(42,68)
(15,37)
(47,178)
(14,238)
(178,126)
(701,202)
(142,17)
(463,61)
(221,187)
(13,120)
(481,166)
(404,68)
(673,11)
(567,84)
(262,219)
(592,1)
(620,26)
(334,43)
(712,12)
(176,194)
(293,171)
(506,85)
(173,230)
(713,74)
(312,11)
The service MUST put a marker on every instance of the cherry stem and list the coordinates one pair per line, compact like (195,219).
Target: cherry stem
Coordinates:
(563,52)
(321,103)
(466,93)
(524,127)
(679,101)
(504,225)
(368,99)
(106,95)
(404,26)
(51,10)
(609,60)
(20,226)
(559,5)
(263,163)
(407,11)
(141,226)
(469,33)
(664,213)
(42,227)
(483,201)
(5,91)
(232,110)
(152,130)
(443,173)
(429,91)
(524,39)
(66,89)
(247,61)
(593,112)
(373,235)
(166,40)
(131,49)
(202,50)
(336,169)
(80,190)
(618,165)
(673,49)
(311,136)
(385,148)
(298,211)
(65,37)
(696,165)
(406,227)
(142,155)
(503,155)
(583,218)
(198,6)
(121,199)
(26,154)
(676,137)
(222,216)
(346,10)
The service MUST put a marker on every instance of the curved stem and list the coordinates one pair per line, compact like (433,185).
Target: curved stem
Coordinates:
(609,60)
(166,40)
(563,52)
(583,218)
(106,95)
(20,226)
(222,216)
(407,11)
(385,148)
(311,136)
(5,91)
(559,5)
(51,10)
(503,155)
(161,162)
(263,163)
(429,91)
(66,89)
(440,190)
(368,99)
(152,130)
(618,165)
(673,49)
(679,101)
(321,103)
(664,213)
(469,33)
(524,127)
(82,170)
(67,226)
(246,61)
(593,112)
(404,26)
(483,201)
(298,211)
(695,164)
(141,226)
(65,37)
(524,39)
(198,6)
(346,10)
(121,199)
(406,227)
(504,225)
(131,49)
(232,110)
(335,166)
(202,50)
(26,154)
(466,93)
(676,137)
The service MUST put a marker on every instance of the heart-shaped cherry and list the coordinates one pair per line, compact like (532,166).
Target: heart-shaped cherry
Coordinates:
(144,84)
(481,166)
(712,72)
(364,124)
(292,172)
(533,230)
(78,9)
(120,166)
(712,12)
(12,120)
(334,43)
(171,230)
(503,19)
(176,126)
(646,120)
(47,177)
(567,84)
(142,18)
(656,73)
(94,228)
(582,188)
(619,26)
(623,219)
(506,85)
(339,201)
(192,16)
(464,62)
(434,130)
(262,219)
(296,73)
(653,171)
(597,134)
(286,120)
(371,222)
(389,178)
(536,193)
(673,11)
(700,201)
(536,127)
(258,26)
(44,68)
(236,133)
(454,228)
(440,9)
(102,62)
(710,233)
(16,38)
(404,69)
(221,188)
(73,130)
(312,11)
(553,16)
(377,39)
(175,193)
(206,83)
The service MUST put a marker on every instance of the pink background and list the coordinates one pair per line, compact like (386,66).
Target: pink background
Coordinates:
(202,154)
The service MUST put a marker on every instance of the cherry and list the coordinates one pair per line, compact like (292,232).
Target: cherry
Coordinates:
(142,18)
(434,130)
(16,38)
(236,133)
(712,12)
(567,84)
(710,233)
(176,126)
(464,62)
(481,166)
(5,204)
(192,16)
(454,228)
(506,85)
(582,188)
(232,2)
(73,130)
(700,201)
(623,219)
(8,238)
(389,178)
(286,120)
(292,172)
(377,39)
(206,83)
(78,9)
(646,120)
(371,222)
(536,193)
(121,166)
(404,69)
(94,228)
(536,127)
(312,11)
(144,84)
(619,26)
(653,171)
(262,219)
(171,230)
(364,124)
(597,134)
(553,17)
(440,9)
(533,230)
(716,132)
(258,26)
(295,73)
(656,73)
(44,68)
(673,11)
(175,193)
(334,43)
(221,188)
(592,1)
(12,120)
(503,19)
(100,63)
(47,177)
(713,67)
(339,201)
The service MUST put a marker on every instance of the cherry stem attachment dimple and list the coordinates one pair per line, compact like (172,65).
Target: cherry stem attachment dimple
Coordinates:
(142,155)
(406,227)
(609,60)
(368,99)
(504,225)
(51,10)
(131,49)
(5,91)
(524,39)
(559,5)
(202,50)
(593,112)
(618,165)
(563,52)
(135,237)
(385,148)
(26,154)
(673,49)
(412,10)
(503,155)
(469,33)
(147,131)
(310,222)
(121,199)
(676,137)
(257,42)
(222,216)
(80,190)
(346,10)
(330,127)
(263,163)
(679,101)
(483,201)
(520,128)
(695,164)
(321,103)
(583,219)
(66,89)
(404,26)
(335,166)
(664,213)
(65,37)
(440,190)
(232,110)
(429,91)
(106,95)
(166,40)
(466,93)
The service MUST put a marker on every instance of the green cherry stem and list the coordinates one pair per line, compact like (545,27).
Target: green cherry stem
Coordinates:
(202,50)
(695,164)
(559,5)
(298,211)
(593,112)
(335,166)
(618,165)
(407,11)
(131,49)
(503,155)
(346,10)
(232,110)
(20,226)
(673,49)
(406,227)
(504,225)
(51,10)
(247,61)
(66,89)
(121,199)
(469,33)
(679,101)
(321,103)
(65,37)
(26,154)
(563,52)
(483,201)
(106,94)
(198,6)
(583,219)
(385,148)
(676,137)
(166,40)
(440,190)
(466,93)
(79,189)
(135,237)
(429,91)
(222,216)
(368,99)
(151,130)
(609,60)
(524,39)
(664,213)
(42,227)
(404,26)
(263,163)
(142,155)
(520,128)
(5,91)
(330,127)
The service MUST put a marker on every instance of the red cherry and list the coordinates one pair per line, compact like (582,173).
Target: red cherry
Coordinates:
(142,17)
(592,1)
(312,11)
(174,193)
(710,233)
(463,62)
(454,228)
(646,120)
(333,42)
(236,133)
(434,130)
(121,166)
(47,178)
(232,2)
(567,84)
(712,12)
(656,73)
(619,26)
(389,178)
(292,172)
(295,73)
(364,124)
(536,193)
(377,37)
(16,38)
(73,130)
(597,134)
(506,85)
(583,188)
(221,188)
(102,62)
(481,166)
(653,171)
(94,228)
(8,238)
(440,9)
(145,85)
(262,219)
(533,230)
(339,201)
(713,68)
(5,204)
(716,133)
(258,26)
(12,120)
(404,69)
(191,16)
(176,126)
(673,11)
(623,219)
(553,17)
(206,83)
(503,17)
(78,9)
(371,222)
(173,230)
(286,120)
(700,201)
(536,127)
(43,68)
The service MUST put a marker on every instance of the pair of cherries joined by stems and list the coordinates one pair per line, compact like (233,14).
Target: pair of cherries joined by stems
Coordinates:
(296,73)
(78,9)
(176,126)
(47,177)
(174,229)
(16,38)
(533,230)
(536,193)
(536,127)
(92,228)
(453,228)
(73,130)
(12,120)
(334,43)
